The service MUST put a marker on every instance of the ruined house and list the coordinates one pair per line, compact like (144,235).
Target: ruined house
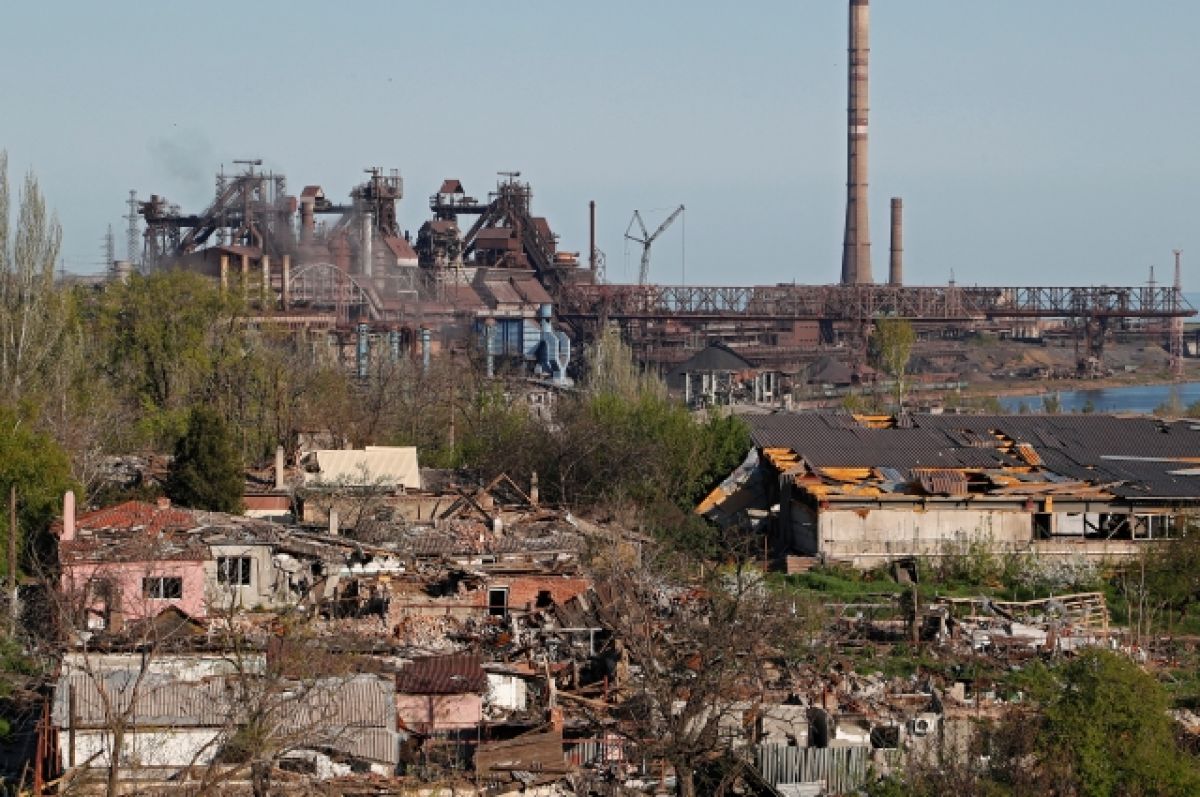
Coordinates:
(134,560)
(160,716)
(438,694)
(870,489)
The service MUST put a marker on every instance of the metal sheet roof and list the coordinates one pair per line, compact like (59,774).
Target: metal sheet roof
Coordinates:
(1135,457)
(443,675)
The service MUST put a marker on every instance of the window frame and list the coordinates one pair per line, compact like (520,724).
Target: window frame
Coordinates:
(240,566)
(155,588)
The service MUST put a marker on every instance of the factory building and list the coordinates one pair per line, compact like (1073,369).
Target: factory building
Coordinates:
(868,490)
(350,272)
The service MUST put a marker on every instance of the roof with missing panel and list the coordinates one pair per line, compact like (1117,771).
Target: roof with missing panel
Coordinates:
(1128,457)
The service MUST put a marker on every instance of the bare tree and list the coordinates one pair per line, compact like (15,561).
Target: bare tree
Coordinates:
(700,649)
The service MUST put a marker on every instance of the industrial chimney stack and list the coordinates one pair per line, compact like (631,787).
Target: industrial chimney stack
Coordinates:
(856,251)
(896,264)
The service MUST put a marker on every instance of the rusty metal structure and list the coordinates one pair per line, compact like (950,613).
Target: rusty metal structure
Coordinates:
(495,282)
(778,324)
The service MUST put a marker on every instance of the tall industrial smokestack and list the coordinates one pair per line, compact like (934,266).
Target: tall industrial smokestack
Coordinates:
(856,249)
(896,262)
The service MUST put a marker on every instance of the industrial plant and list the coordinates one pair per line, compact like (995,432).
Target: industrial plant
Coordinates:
(488,273)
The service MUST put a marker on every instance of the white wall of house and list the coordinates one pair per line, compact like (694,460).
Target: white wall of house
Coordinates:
(506,691)
(261,592)
(171,748)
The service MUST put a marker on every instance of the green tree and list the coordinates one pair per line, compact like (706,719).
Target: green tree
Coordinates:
(32,462)
(207,471)
(1109,720)
(31,307)
(172,337)
(891,347)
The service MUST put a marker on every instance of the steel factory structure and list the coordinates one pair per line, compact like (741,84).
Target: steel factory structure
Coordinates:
(489,273)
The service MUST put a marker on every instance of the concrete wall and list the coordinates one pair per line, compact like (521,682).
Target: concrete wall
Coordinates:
(868,537)
(261,592)
(172,748)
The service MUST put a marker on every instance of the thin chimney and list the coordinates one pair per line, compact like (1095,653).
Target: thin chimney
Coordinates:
(896,262)
(279,466)
(68,532)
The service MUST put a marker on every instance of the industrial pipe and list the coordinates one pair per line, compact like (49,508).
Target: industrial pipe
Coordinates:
(896,260)
(592,236)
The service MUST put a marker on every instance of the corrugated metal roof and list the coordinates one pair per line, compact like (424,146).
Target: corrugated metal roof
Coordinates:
(1095,449)
(941,482)
(356,714)
(443,675)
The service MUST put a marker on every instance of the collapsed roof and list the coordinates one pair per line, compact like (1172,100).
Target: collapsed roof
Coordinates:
(1131,458)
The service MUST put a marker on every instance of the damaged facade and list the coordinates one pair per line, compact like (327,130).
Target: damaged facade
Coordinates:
(871,489)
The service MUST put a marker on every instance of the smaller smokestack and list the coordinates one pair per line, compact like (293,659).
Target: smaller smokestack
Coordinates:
(68,532)
(592,235)
(1178,270)
(896,264)
(308,222)
(280,461)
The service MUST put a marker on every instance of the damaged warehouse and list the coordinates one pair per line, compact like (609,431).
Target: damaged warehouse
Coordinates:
(872,489)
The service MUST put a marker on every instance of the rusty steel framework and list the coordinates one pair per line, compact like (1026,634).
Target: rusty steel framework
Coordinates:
(664,323)
(865,302)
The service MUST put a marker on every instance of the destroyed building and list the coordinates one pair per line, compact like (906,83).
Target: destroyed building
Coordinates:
(871,489)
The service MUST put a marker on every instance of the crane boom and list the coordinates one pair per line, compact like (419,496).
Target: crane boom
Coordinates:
(648,238)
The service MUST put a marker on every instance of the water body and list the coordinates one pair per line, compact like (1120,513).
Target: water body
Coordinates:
(1131,398)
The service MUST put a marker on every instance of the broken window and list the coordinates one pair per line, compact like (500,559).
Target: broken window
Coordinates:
(233,570)
(498,601)
(162,587)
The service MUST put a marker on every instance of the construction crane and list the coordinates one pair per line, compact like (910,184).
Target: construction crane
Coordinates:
(648,238)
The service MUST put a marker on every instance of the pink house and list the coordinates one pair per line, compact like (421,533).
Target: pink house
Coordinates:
(441,694)
(130,561)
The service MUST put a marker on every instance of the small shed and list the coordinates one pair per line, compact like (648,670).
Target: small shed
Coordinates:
(439,694)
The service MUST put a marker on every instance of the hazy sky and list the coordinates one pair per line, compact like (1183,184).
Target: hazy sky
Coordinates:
(1033,141)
